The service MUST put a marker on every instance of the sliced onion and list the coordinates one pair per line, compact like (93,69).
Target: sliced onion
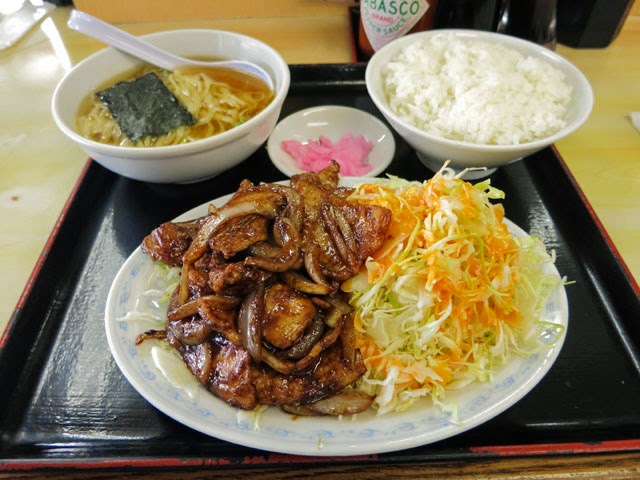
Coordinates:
(288,254)
(288,367)
(249,322)
(329,338)
(306,341)
(321,303)
(223,322)
(304,285)
(191,331)
(344,403)
(264,249)
(213,223)
(200,361)
(267,250)
(348,338)
(312,266)
(279,365)
(222,302)
(301,410)
(339,302)
(280,264)
(339,274)
(332,317)
(183,292)
(295,207)
(151,334)
(185,310)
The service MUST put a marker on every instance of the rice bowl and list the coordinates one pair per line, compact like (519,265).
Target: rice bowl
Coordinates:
(441,84)
(476,99)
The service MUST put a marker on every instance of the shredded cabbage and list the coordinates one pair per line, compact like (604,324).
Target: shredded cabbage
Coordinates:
(449,296)
(151,305)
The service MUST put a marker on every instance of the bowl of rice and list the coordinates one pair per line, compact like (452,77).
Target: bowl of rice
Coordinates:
(475,99)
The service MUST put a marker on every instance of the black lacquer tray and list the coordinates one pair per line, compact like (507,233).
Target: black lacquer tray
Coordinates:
(64,402)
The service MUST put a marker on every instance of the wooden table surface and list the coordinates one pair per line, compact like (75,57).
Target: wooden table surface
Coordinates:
(40,168)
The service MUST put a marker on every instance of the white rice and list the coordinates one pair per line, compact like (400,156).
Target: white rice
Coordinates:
(476,91)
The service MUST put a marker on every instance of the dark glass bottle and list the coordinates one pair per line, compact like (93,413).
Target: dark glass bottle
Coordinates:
(590,23)
(533,20)
(473,14)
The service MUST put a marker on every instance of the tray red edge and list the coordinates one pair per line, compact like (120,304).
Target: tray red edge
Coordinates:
(533,450)
(574,448)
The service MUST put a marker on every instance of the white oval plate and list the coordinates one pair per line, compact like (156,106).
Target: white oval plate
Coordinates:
(177,394)
(332,122)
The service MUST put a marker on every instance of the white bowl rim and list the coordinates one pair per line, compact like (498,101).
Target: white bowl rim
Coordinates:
(183,148)
(504,39)
(320,109)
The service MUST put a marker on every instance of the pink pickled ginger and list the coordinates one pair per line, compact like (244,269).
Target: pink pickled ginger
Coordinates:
(350,152)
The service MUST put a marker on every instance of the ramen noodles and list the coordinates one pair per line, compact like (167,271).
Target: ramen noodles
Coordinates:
(218,98)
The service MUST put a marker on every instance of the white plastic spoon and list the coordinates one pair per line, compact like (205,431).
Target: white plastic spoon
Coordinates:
(107,33)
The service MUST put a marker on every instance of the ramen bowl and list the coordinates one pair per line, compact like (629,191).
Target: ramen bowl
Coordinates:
(186,162)
(499,99)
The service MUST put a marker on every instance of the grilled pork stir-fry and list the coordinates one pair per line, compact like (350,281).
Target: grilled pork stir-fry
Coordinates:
(258,316)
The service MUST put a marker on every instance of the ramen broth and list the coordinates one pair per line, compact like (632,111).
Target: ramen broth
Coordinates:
(218,98)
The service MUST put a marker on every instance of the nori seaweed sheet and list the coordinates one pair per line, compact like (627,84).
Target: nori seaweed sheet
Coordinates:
(145,106)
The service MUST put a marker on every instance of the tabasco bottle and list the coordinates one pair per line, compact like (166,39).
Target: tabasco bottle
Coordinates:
(384,20)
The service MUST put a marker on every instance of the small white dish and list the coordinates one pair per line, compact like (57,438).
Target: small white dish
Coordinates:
(332,122)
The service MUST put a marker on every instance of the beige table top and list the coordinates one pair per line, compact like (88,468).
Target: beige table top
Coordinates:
(40,166)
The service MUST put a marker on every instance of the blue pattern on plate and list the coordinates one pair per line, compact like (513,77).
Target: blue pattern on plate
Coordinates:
(367,433)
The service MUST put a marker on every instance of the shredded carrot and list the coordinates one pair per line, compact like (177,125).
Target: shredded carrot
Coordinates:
(443,301)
